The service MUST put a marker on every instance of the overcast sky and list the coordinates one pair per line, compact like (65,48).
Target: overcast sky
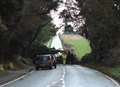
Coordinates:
(59,21)
(55,14)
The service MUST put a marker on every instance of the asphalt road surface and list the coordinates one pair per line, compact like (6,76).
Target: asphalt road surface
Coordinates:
(65,76)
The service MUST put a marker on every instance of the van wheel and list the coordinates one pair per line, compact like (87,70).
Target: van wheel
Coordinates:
(37,68)
(50,67)
(55,66)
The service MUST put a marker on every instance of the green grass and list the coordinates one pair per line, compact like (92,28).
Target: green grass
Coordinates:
(113,72)
(81,46)
(2,73)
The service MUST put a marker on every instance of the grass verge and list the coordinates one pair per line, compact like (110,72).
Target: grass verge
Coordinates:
(113,72)
(3,73)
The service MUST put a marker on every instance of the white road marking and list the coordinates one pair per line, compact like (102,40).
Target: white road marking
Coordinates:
(21,77)
(59,83)
(112,80)
(106,76)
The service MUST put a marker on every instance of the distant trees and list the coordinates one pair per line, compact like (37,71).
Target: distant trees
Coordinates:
(21,22)
(68,29)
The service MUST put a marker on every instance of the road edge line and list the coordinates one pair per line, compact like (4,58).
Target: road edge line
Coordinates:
(107,77)
(111,79)
(16,79)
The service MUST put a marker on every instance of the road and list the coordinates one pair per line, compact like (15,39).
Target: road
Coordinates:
(65,76)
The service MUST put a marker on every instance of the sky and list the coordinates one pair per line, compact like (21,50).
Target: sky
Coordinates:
(59,21)
(55,16)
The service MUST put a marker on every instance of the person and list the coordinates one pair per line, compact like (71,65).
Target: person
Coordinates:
(68,59)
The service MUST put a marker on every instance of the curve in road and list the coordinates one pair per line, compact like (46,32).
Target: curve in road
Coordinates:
(65,76)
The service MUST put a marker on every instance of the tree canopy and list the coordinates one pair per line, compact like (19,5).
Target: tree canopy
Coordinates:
(21,23)
(100,24)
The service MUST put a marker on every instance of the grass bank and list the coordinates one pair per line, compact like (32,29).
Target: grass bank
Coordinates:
(113,72)
(79,44)
(2,73)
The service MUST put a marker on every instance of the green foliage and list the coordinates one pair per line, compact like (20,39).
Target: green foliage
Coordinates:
(81,46)
(68,29)
(39,49)
(115,71)
(21,23)
(46,33)
(42,37)
(2,73)
(10,7)
(103,28)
